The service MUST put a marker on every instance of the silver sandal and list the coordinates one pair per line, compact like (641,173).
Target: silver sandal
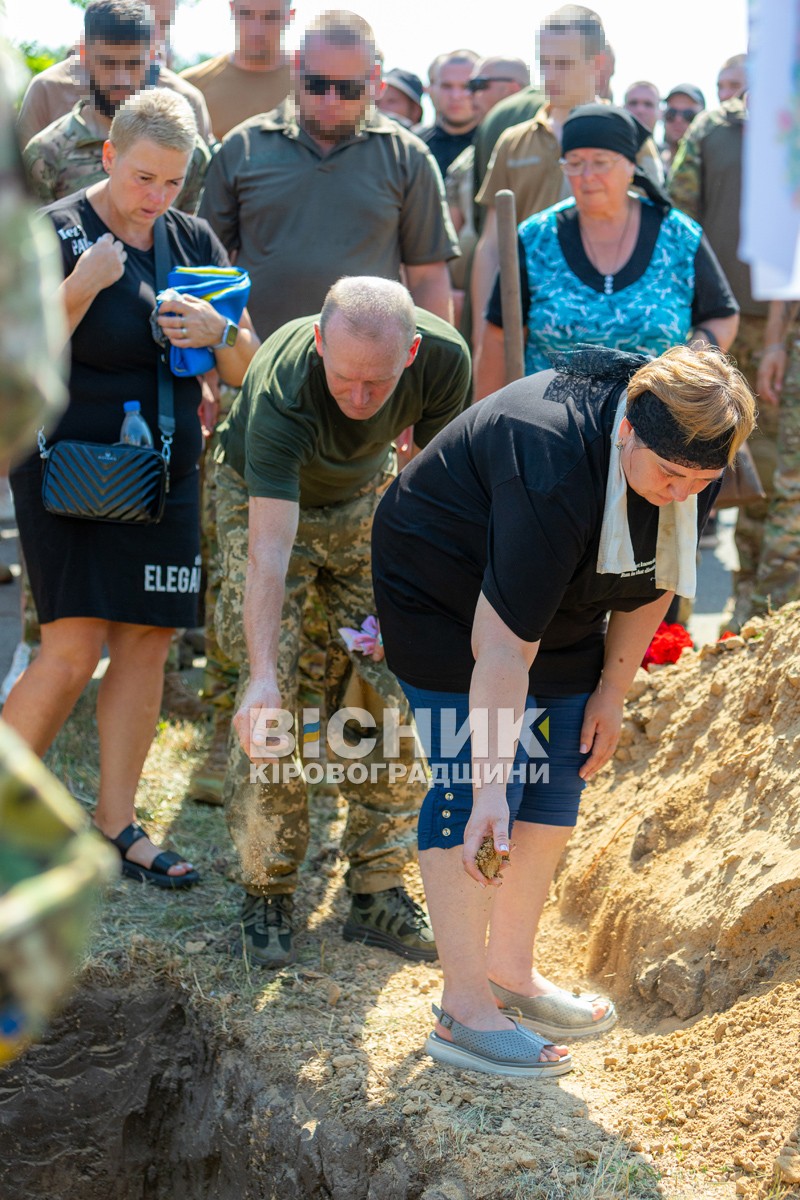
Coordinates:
(559,1014)
(495,1052)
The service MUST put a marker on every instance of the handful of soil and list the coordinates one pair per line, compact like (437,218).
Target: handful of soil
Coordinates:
(488,860)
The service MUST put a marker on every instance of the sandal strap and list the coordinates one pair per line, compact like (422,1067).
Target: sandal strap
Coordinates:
(515,1045)
(163,861)
(127,837)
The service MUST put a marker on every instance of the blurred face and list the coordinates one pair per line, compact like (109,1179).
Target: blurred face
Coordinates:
(164,15)
(656,479)
(144,180)
(645,104)
(678,116)
(259,26)
(335,85)
(732,82)
(489,92)
(361,373)
(568,76)
(116,72)
(395,103)
(452,98)
(601,188)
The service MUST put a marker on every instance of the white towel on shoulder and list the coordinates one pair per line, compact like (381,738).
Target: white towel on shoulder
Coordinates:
(676,545)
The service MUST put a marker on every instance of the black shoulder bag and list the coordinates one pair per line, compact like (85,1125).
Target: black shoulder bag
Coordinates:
(119,483)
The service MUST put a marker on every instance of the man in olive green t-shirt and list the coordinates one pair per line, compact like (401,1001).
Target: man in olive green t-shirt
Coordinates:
(308,446)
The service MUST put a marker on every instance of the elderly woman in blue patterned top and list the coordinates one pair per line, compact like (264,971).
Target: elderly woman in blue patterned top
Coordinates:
(608,267)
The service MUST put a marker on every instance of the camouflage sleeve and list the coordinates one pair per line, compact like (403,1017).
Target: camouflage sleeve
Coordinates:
(34,113)
(41,169)
(32,326)
(684,184)
(189,199)
(649,160)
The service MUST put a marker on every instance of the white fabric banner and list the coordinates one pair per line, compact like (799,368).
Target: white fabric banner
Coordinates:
(770,239)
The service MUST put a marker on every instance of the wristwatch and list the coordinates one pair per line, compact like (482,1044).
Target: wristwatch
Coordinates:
(229,336)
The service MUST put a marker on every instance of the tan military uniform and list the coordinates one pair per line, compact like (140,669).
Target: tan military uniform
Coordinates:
(56,90)
(68,156)
(526,160)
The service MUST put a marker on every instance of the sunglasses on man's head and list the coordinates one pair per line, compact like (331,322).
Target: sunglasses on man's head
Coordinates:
(346,89)
(688,114)
(481,82)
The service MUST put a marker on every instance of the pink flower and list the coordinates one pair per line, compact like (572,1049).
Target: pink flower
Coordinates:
(364,639)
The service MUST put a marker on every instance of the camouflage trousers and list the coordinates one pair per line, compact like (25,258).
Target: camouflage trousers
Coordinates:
(268,821)
(52,869)
(221,674)
(763,444)
(778,575)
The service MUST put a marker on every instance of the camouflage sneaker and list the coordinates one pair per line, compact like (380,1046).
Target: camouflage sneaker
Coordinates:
(267,930)
(392,920)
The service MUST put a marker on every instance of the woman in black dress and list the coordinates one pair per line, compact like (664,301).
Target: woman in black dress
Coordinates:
(126,587)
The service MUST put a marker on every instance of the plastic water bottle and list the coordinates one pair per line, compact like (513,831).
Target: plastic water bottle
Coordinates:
(135,431)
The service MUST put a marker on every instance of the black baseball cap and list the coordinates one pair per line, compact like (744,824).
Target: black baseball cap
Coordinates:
(406,82)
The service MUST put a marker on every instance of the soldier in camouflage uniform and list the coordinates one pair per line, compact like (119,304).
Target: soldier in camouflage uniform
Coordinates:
(308,441)
(705,182)
(778,569)
(51,865)
(68,155)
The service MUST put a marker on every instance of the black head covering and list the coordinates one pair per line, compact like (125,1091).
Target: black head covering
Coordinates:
(606,127)
(648,415)
(603,127)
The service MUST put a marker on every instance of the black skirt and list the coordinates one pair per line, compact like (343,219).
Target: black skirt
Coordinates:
(136,574)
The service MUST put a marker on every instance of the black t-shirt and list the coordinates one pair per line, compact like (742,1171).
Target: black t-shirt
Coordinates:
(712,292)
(445,147)
(508,500)
(114,356)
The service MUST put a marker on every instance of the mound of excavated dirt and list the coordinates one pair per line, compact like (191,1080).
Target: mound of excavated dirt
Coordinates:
(686,864)
(684,876)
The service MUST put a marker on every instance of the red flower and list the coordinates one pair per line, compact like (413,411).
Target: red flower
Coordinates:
(667,644)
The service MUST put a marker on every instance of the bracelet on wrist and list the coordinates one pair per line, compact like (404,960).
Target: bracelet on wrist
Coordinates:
(705,332)
(775,346)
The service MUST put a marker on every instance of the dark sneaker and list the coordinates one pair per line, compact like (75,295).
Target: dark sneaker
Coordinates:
(267,930)
(392,920)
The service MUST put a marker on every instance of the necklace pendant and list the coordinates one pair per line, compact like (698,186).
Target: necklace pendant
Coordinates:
(608,285)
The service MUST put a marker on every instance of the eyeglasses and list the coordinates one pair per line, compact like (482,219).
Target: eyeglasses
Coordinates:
(688,114)
(595,166)
(481,82)
(346,89)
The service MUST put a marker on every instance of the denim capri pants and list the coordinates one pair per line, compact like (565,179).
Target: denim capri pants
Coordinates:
(545,787)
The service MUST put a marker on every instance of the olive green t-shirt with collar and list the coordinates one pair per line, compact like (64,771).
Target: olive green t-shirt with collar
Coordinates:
(289,440)
(299,219)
